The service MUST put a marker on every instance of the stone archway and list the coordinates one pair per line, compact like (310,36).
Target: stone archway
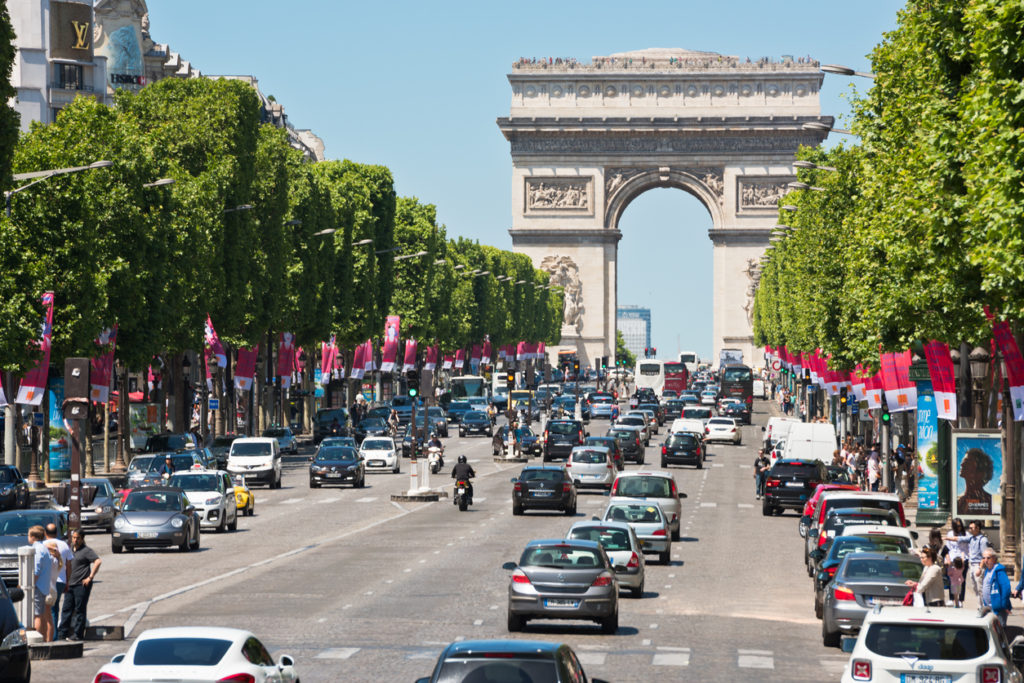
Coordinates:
(586,140)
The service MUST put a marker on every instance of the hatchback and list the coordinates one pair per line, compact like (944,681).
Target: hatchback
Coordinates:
(336,465)
(560,437)
(591,466)
(630,440)
(612,444)
(379,453)
(723,429)
(563,579)
(708,398)
(649,524)
(508,660)
(651,487)
(622,546)
(544,488)
(862,581)
(475,422)
(682,448)
(638,421)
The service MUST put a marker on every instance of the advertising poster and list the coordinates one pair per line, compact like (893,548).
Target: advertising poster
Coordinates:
(927,448)
(977,469)
(145,419)
(60,440)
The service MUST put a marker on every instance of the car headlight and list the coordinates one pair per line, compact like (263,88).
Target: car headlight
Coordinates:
(14,639)
(213,500)
(101,509)
(177,522)
(316,468)
(351,468)
(6,489)
(120,523)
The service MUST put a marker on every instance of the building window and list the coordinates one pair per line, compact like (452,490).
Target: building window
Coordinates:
(53,114)
(68,76)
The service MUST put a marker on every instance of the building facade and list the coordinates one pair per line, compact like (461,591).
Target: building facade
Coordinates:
(634,322)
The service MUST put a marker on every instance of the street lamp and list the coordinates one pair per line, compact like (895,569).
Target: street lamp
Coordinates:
(979,359)
(409,256)
(799,163)
(240,207)
(820,127)
(326,231)
(460,267)
(38,177)
(360,243)
(440,262)
(293,222)
(163,182)
(845,71)
(797,185)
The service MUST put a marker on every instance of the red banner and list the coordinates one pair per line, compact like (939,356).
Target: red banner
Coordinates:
(389,355)
(449,360)
(369,362)
(328,353)
(409,364)
(940,368)
(431,361)
(358,363)
(460,358)
(102,367)
(900,392)
(212,342)
(1014,366)
(245,368)
(34,385)
(285,358)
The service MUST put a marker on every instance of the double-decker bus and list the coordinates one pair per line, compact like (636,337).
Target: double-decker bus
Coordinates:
(737,381)
(677,376)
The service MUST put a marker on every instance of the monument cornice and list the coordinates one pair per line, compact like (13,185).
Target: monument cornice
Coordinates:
(564,235)
(739,235)
(654,142)
(658,124)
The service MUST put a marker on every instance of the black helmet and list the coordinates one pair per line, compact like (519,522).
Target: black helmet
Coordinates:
(462,460)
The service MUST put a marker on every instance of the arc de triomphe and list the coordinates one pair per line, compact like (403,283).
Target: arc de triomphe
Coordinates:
(587,139)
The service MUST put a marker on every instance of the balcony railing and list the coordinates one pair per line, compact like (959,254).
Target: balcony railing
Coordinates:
(71,86)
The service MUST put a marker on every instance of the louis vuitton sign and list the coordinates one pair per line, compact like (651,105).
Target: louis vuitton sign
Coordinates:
(71,30)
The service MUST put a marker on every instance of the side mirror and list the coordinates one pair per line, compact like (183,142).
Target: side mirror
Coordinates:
(286,660)
(762,429)
(509,566)
(913,535)
(190,509)
(514,480)
(805,520)
(17,595)
(683,495)
(813,533)
(816,555)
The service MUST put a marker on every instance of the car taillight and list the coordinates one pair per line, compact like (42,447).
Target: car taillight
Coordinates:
(672,486)
(519,577)
(638,441)
(238,678)
(861,669)
(707,430)
(664,450)
(698,451)
(991,674)
(566,487)
(659,532)
(615,487)
(843,593)
(545,435)
(602,581)
(517,487)
(581,437)
(831,571)
(772,483)
(634,561)
(822,539)
(102,677)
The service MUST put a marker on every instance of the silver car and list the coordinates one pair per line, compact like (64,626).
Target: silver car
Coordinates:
(591,466)
(652,418)
(286,440)
(647,486)
(100,514)
(563,579)
(623,548)
(637,421)
(649,524)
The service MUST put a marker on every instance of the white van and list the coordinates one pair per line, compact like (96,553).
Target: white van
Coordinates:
(760,389)
(778,428)
(682,424)
(258,459)
(810,441)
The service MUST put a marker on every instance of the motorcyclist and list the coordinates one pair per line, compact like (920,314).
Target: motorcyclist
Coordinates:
(463,471)
(435,442)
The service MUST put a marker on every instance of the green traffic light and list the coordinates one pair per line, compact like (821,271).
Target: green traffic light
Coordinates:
(413,391)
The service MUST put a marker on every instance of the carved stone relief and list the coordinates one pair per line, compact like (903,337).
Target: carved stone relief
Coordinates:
(566,274)
(559,194)
(763,193)
(694,143)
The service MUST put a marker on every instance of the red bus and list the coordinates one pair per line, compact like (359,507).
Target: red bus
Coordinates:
(676,376)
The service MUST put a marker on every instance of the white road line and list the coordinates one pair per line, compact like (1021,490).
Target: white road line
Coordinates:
(834,665)
(338,653)
(334,499)
(744,505)
(292,501)
(671,659)
(347,607)
(671,576)
(718,464)
(653,626)
(426,654)
(668,585)
(755,659)
(368,499)
(479,500)
(705,474)
(368,593)
(478,622)
(592,658)
(646,642)
(709,505)
(135,618)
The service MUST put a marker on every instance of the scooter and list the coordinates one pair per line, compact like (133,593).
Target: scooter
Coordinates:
(435,457)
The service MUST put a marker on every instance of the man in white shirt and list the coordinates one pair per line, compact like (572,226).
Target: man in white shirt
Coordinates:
(67,555)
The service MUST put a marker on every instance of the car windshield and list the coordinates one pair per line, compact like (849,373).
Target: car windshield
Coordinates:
(325,417)
(842,547)
(882,569)
(335,453)
(275,432)
(196,482)
(927,641)
(103,487)
(609,538)
(140,463)
(19,523)
(435,412)
(251,448)
(541,475)
(178,462)
(458,405)
(372,423)
(644,487)
(504,669)
(737,373)
(7,476)
(152,501)
(559,556)
(590,457)
(475,416)
(523,432)
(338,441)
(562,428)
(168,442)
(378,413)
(634,514)
(180,652)
(377,445)
(682,441)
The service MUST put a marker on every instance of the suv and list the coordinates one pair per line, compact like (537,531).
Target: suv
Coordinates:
(13,489)
(651,487)
(790,483)
(258,459)
(560,437)
(547,488)
(630,440)
(937,643)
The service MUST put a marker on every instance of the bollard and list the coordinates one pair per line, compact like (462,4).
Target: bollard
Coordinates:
(413,479)
(26,580)
(425,478)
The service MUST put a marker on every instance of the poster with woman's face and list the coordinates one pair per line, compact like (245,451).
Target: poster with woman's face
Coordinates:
(977,469)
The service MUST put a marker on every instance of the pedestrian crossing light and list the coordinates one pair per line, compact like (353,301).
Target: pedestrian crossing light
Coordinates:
(886,417)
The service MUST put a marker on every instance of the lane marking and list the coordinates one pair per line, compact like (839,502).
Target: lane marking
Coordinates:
(478,622)
(718,464)
(592,658)
(335,499)
(653,627)
(746,467)
(744,505)
(755,659)
(709,505)
(368,499)
(645,642)
(135,618)
(338,653)
(671,659)
(292,501)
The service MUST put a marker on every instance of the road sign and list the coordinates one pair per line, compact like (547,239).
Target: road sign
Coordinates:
(214,404)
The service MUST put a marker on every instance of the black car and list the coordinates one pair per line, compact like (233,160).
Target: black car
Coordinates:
(14,658)
(509,660)
(370,426)
(221,446)
(790,483)
(437,419)
(330,422)
(337,465)
(629,441)
(739,411)
(612,444)
(674,408)
(835,525)
(659,410)
(475,422)
(543,488)
(456,409)
(561,436)
(828,561)
(14,526)
(13,489)
(158,443)
(529,443)
(683,449)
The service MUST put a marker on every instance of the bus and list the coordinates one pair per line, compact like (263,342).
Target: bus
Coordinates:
(677,376)
(650,373)
(737,381)
(468,386)
(690,360)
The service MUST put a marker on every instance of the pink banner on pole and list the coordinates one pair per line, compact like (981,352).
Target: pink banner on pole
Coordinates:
(33,386)
(542,350)
(358,363)
(487,353)
(940,368)
(389,355)
(328,355)
(1007,345)
(409,361)
(102,367)
(521,351)
(873,391)
(213,343)
(857,383)
(431,362)
(369,362)
(460,358)
(285,358)
(245,368)
(449,361)
(476,354)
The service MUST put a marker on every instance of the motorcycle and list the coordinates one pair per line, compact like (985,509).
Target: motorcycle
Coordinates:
(435,457)
(462,494)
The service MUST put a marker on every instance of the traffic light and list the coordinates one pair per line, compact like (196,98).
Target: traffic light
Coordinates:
(413,382)
(842,397)
(647,352)
(807,374)
(886,417)
(654,352)
(576,367)
(510,378)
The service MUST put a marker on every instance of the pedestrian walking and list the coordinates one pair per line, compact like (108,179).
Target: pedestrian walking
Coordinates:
(995,586)
(977,544)
(80,578)
(42,568)
(51,595)
(954,556)
(930,584)
(62,578)
(761,466)
(874,471)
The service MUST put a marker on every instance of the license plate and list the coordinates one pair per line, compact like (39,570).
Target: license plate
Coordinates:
(925,678)
(251,476)
(794,484)
(376,463)
(553,602)
(885,601)
(462,491)
(334,475)
(542,493)
(8,564)
(146,534)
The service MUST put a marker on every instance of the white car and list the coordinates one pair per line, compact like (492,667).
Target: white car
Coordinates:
(258,459)
(722,429)
(212,494)
(708,398)
(591,466)
(926,644)
(380,453)
(200,654)
(906,535)
(623,548)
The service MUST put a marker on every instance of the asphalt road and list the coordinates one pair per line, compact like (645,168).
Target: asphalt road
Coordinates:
(358,588)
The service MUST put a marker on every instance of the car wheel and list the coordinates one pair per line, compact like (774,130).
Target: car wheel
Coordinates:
(313,484)
(195,546)
(700,464)
(766,509)
(829,638)
(186,545)
(252,509)
(818,609)
(517,510)
(675,535)
(610,625)
(116,548)
(515,623)
(462,434)
(640,460)
(665,557)
(233,526)
(637,592)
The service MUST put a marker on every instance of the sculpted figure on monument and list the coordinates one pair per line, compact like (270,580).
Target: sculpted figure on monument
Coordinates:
(757,195)
(557,195)
(566,274)
(753,276)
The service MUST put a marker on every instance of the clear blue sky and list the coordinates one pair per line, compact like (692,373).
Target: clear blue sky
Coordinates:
(417,86)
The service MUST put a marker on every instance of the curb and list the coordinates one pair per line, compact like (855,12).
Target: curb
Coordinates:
(58,649)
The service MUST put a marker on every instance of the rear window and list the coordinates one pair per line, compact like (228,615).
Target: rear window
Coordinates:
(843,521)
(881,569)
(635,514)
(880,504)
(168,442)
(682,441)
(721,421)
(541,475)
(503,669)
(325,417)
(459,405)
(927,641)
(180,652)
(882,544)
(793,470)
(644,487)
(623,434)
(590,457)
(564,428)
(697,413)
(610,539)
(561,557)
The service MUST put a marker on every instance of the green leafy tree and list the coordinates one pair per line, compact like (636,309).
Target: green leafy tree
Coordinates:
(622,354)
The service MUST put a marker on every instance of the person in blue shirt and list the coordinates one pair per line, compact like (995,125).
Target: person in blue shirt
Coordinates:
(996,586)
